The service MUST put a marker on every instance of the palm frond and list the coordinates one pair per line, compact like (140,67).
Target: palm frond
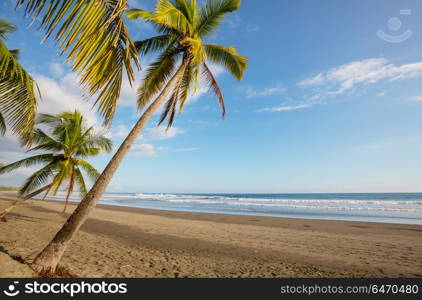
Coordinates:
(95,40)
(39,178)
(18,94)
(185,88)
(170,108)
(189,9)
(64,169)
(27,162)
(92,173)
(93,145)
(6,28)
(156,76)
(212,14)
(153,44)
(2,125)
(80,182)
(45,142)
(228,58)
(166,15)
(214,87)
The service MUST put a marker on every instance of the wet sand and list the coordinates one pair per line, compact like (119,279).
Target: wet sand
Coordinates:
(131,242)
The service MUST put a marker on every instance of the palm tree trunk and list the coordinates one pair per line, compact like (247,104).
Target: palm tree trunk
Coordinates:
(46,193)
(19,200)
(69,190)
(50,256)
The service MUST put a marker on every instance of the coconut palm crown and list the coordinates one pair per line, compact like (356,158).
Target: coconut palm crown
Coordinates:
(183,26)
(68,143)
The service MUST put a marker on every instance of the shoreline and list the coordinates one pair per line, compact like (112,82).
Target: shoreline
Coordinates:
(134,242)
(398,220)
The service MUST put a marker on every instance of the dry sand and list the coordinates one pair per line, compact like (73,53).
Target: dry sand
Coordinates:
(128,242)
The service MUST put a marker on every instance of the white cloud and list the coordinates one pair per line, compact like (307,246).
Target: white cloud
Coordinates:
(417,98)
(284,108)
(128,93)
(234,21)
(146,150)
(372,147)
(191,149)
(160,133)
(148,134)
(65,95)
(339,80)
(10,150)
(57,69)
(252,92)
(120,131)
(252,28)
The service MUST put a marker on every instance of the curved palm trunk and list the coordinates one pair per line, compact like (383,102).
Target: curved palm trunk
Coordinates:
(18,201)
(46,193)
(50,256)
(69,190)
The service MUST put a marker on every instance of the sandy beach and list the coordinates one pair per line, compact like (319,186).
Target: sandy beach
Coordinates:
(130,242)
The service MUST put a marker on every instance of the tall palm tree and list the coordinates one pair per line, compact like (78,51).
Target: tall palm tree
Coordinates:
(183,55)
(68,143)
(18,91)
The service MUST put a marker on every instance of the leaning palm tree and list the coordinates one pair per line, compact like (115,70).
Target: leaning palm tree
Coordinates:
(18,91)
(183,56)
(68,143)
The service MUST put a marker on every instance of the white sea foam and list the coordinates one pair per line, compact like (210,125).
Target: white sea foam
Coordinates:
(339,203)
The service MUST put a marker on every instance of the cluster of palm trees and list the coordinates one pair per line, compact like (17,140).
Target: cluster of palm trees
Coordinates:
(94,37)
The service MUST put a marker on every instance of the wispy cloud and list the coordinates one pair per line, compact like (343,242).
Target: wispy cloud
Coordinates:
(146,150)
(417,98)
(65,94)
(160,133)
(252,28)
(284,108)
(234,21)
(149,134)
(191,149)
(57,69)
(344,78)
(253,92)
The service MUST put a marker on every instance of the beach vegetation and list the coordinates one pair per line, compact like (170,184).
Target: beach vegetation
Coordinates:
(64,150)
(183,58)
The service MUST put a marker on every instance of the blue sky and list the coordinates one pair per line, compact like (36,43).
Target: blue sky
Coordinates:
(326,105)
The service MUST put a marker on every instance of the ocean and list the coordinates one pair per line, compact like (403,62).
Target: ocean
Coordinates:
(400,208)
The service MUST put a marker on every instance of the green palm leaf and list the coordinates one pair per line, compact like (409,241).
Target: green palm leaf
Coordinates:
(153,44)
(80,182)
(89,169)
(228,58)
(18,94)
(2,125)
(214,87)
(27,162)
(213,13)
(156,76)
(95,40)
(39,178)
